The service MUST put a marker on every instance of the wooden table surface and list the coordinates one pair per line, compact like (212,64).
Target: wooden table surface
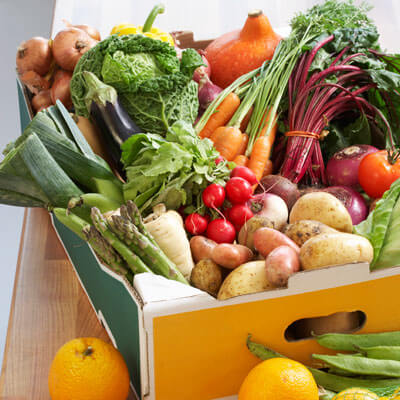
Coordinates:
(48,308)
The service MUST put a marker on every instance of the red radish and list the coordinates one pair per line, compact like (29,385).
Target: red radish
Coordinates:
(239,214)
(270,206)
(238,190)
(207,92)
(221,231)
(245,173)
(202,71)
(195,224)
(342,168)
(219,159)
(213,196)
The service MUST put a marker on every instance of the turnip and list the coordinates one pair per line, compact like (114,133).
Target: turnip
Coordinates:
(342,168)
(270,206)
(282,187)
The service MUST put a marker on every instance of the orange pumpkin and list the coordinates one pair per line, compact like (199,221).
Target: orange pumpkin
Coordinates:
(236,53)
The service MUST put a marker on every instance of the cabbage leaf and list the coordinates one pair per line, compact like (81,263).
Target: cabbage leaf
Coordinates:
(154,86)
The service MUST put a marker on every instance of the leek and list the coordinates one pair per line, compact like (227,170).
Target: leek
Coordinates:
(51,178)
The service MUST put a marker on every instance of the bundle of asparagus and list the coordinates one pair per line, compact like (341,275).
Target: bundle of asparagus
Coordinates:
(122,242)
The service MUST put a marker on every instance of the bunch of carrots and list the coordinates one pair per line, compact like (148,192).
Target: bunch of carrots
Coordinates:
(242,130)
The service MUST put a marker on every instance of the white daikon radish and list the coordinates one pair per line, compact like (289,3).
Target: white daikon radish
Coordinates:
(169,233)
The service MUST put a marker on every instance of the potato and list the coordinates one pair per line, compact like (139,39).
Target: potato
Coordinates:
(267,239)
(280,264)
(207,275)
(322,207)
(247,278)
(201,247)
(245,237)
(231,255)
(301,231)
(335,249)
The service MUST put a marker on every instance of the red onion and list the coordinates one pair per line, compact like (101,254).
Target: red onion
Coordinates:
(352,200)
(207,92)
(202,71)
(342,168)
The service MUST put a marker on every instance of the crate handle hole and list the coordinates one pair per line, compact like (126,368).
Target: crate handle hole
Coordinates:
(339,322)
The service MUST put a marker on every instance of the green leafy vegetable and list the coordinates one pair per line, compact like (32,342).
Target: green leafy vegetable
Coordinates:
(382,229)
(173,170)
(155,88)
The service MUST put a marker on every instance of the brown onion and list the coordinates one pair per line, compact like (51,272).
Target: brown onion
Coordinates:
(60,73)
(34,55)
(42,100)
(60,90)
(34,82)
(69,45)
(92,32)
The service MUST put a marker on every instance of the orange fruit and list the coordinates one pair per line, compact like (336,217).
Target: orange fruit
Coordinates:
(279,379)
(88,369)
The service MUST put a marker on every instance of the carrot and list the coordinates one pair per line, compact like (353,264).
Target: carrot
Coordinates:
(261,153)
(268,168)
(241,160)
(227,140)
(222,115)
(243,145)
(246,119)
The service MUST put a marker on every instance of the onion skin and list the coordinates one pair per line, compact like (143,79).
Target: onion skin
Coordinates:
(280,186)
(207,92)
(42,100)
(92,32)
(342,168)
(34,82)
(61,91)
(352,200)
(202,71)
(69,45)
(34,55)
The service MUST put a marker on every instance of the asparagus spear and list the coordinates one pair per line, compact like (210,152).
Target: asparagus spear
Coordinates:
(124,229)
(132,213)
(134,262)
(104,250)
(159,262)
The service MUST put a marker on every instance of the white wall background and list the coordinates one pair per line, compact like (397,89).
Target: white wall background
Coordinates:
(19,20)
(22,19)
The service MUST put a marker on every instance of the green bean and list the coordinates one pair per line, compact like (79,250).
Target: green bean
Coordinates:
(349,342)
(338,383)
(261,351)
(340,372)
(362,365)
(381,352)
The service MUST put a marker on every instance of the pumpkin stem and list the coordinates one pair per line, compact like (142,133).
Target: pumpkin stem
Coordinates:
(254,13)
(257,27)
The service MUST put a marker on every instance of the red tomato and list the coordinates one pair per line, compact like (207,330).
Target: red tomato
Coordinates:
(376,173)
